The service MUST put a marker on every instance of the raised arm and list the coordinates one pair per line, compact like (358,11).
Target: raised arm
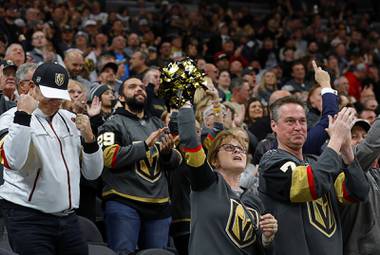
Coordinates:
(92,156)
(201,174)
(287,180)
(317,135)
(16,143)
(351,185)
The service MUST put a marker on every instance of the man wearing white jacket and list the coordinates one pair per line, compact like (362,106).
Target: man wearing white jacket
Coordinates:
(44,149)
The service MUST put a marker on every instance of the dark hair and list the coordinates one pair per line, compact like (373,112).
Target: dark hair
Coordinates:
(236,83)
(143,55)
(250,101)
(296,63)
(283,101)
(311,91)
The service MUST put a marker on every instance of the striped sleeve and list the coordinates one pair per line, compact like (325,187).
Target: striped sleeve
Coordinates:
(341,190)
(195,157)
(208,135)
(286,179)
(208,141)
(302,186)
(351,185)
(115,154)
(201,174)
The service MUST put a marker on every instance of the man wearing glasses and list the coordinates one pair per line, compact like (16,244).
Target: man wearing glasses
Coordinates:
(24,76)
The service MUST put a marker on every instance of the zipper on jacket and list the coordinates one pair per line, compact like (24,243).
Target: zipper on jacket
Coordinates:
(34,185)
(64,161)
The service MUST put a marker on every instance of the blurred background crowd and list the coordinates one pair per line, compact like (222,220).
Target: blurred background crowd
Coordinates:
(252,53)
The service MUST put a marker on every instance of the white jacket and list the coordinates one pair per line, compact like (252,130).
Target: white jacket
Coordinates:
(42,163)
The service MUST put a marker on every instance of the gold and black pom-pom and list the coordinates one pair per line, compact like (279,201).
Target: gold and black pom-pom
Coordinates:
(179,80)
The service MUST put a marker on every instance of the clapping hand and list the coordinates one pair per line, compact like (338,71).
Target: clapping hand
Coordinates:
(167,143)
(269,227)
(340,128)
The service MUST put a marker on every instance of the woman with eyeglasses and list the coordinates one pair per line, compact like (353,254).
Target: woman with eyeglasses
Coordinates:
(225,219)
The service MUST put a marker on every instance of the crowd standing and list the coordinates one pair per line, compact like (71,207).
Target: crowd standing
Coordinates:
(277,153)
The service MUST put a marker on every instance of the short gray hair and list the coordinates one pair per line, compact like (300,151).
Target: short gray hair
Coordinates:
(148,73)
(23,69)
(274,108)
(8,50)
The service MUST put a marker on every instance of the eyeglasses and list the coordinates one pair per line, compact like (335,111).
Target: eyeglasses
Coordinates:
(26,81)
(38,37)
(233,148)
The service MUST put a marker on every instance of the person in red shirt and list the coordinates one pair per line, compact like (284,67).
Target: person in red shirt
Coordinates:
(355,80)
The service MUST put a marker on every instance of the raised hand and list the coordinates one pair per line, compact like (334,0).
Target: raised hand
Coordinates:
(95,108)
(340,128)
(167,144)
(211,90)
(82,122)
(153,137)
(26,103)
(321,76)
(79,104)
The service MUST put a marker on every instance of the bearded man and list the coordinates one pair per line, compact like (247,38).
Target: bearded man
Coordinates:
(137,152)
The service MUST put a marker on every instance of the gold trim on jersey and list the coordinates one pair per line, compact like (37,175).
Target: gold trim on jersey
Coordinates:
(341,196)
(136,198)
(148,168)
(181,220)
(321,215)
(195,157)
(300,188)
(109,155)
(240,228)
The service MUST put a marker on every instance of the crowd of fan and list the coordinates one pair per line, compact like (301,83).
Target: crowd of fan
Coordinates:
(249,62)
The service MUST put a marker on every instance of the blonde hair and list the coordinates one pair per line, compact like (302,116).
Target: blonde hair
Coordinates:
(262,85)
(201,101)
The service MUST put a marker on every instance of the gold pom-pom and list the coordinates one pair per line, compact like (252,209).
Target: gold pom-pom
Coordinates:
(179,80)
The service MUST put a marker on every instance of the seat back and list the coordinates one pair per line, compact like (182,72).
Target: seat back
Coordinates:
(94,249)
(155,252)
(89,230)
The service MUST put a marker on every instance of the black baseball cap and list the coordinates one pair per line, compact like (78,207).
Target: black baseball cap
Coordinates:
(9,64)
(52,79)
(111,65)
(363,124)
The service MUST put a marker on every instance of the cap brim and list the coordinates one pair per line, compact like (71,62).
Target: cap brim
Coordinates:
(9,67)
(54,93)
(111,65)
(363,124)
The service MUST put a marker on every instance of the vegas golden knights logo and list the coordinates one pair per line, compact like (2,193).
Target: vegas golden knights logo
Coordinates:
(59,79)
(240,228)
(149,168)
(321,215)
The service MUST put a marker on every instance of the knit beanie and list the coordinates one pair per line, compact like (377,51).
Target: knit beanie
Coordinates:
(98,91)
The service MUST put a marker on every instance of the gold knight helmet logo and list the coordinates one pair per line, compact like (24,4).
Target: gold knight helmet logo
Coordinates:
(240,228)
(59,79)
(321,216)
(149,168)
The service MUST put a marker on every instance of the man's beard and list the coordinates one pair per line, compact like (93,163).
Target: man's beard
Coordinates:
(135,105)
